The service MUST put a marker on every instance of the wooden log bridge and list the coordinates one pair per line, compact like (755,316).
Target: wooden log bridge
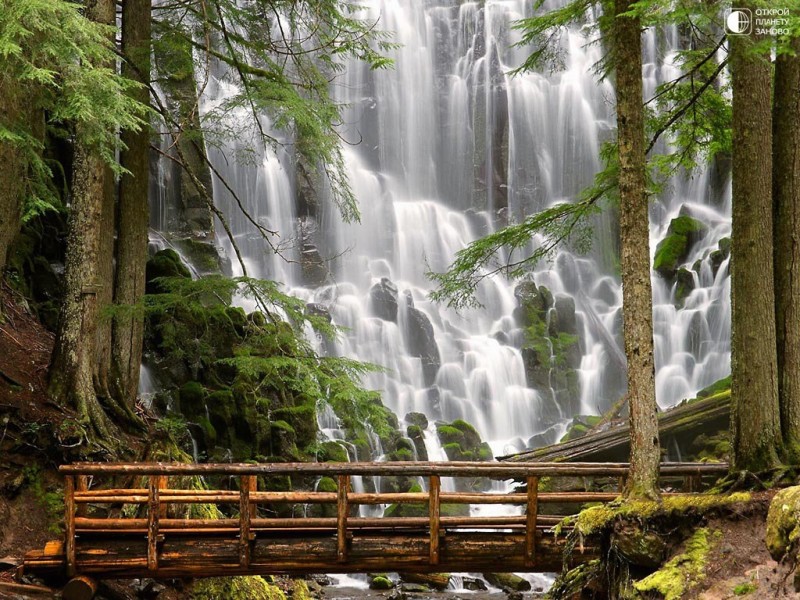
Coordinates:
(157,528)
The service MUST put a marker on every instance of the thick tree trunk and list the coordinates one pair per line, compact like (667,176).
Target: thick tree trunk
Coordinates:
(104,11)
(786,204)
(72,367)
(637,305)
(754,364)
(12,167)
(134,211)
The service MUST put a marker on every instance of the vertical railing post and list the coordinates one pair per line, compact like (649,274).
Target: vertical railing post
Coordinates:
(342,509)
(153,509)
(69,522)
(532,514)
(162,484)
(245,483)
(81,485)
(434,513)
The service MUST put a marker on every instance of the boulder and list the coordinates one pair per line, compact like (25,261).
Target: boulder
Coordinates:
(683,232)
(418,419)
(783,523)
(165,263)
(383,300)
(421,343)
(508,582)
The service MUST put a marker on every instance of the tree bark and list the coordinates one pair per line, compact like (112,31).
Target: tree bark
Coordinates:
(72,366)
(786,211)
(12,167)
(637,304)
(755,426)
(134,213)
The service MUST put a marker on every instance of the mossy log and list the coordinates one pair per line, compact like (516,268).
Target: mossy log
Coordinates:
(681,424)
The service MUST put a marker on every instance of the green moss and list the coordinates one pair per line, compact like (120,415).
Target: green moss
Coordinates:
(715,388)
(381,583)
(192,398)
(327,484)
(300,590)
(594,519)
(682,572)
(783,522)
(450,435)
(672,250)
(331,452)
(235,588)
(743,589)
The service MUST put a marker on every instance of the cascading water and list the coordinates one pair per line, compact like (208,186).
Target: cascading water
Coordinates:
(450,146)
(444,148)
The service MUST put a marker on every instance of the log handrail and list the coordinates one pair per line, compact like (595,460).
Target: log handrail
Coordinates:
(420,469)
(156,524)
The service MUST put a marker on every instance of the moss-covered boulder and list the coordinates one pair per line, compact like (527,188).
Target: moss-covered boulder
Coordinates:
(639,546)
(508,582)
(235,588)
(380,582)
(683,572)
(682,233)
(580,426)
(437,581)
(684,284)
(783,523)
(164,263)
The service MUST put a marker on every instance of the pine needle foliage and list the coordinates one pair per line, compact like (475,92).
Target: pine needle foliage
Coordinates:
(56,58)
(268,353)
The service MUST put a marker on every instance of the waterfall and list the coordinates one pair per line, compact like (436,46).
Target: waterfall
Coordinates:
(440,150)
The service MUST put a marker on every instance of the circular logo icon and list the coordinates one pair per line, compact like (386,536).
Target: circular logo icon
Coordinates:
(738,21)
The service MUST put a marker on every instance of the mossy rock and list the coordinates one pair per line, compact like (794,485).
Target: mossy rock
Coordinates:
(682,233)
(202,255)
(164,263)
(418,419)
(715,388)
(581,425)
(783,523)
(684,286)
(235,588)
(508,581)
(303,419)
(472,438)
(327,484)
(683,572)
(381,583)
(331,452)
(192,400)
(639,546)
(450,435)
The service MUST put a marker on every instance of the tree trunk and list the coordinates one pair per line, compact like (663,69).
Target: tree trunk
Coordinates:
(134,213)
(72,367)
(637,304)
(12,167)
(786,211)
(754,364)
(74,363)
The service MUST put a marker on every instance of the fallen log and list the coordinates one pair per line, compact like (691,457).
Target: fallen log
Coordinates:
(678,426)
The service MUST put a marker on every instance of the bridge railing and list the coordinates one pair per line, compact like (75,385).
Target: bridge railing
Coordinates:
(81,490)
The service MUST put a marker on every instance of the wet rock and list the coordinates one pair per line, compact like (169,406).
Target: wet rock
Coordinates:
(415,588)
(200,253)
(383,300)
(565,310)
(417,436)
(421,343)
(508,582)
(685,284)
(381,582)
(501,337)
(418,419)
(165,263)
(437,581)
(314,268)
(474,584)
(683,232)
